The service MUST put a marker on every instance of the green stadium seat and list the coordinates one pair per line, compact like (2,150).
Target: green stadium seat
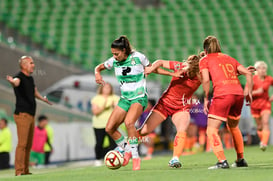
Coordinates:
(84,28)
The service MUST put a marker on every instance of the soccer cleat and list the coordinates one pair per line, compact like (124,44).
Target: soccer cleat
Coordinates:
(263,146)
(136,163)
(219,165)
(175,163)
(240,163)
(127,157)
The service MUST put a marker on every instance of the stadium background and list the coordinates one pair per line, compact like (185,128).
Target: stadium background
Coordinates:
(72,36)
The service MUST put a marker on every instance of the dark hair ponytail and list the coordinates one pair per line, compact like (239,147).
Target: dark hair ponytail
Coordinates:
(122,43)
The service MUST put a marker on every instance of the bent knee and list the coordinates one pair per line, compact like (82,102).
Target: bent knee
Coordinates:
(129,124)
(143,131)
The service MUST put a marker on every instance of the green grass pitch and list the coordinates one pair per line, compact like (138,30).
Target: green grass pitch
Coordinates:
(194,169)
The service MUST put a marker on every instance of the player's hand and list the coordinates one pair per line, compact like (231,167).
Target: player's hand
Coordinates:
(9,78)
(248,99)
(178,73)
(251,69)
(47,101)
(206,106)
(148,70)
(99,79)
(259,91)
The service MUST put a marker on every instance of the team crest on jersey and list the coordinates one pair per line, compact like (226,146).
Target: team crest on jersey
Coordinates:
(177,66)
(133,62)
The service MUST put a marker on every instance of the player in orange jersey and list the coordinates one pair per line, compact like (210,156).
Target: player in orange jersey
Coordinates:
(176,101)
(261,105)
(228,98)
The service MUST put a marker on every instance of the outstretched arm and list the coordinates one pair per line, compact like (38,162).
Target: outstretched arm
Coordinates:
(39,96)
(155,68)
(98,76)
(15,82)
(156,65)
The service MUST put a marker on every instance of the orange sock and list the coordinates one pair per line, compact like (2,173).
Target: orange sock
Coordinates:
(265,138)
(238,141)
(202,137)
(260,134)
(208,147)
(216,144)
(193,140)
(179,143)
(227,140)
(150,150)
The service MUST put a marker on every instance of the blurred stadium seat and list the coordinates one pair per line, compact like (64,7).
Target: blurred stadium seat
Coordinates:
(84,29)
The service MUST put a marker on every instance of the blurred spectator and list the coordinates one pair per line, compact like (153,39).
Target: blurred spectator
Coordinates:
(5,144)
(226,136)
(102,106)
(67,102)
(200,119)
(48,148)
(40,138)
(246,124)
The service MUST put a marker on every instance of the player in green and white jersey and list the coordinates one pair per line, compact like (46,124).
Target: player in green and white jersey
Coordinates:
(129,68)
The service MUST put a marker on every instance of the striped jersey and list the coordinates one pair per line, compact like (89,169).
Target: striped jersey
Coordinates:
(130,74)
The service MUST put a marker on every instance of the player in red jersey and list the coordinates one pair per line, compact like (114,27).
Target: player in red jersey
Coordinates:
(228,98)
(176,101)
(261,105)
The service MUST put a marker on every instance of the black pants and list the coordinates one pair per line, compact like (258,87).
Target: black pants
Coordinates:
(99,150)
(4,160)
(47,155)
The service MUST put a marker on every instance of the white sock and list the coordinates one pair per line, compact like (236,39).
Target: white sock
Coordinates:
(121,142)
(134,150)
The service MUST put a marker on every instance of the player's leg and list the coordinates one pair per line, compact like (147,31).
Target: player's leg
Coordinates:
(266,131)
(238,142)
(258,121)
(115,119)
(150,146)
(233,125)
(133,114)
(152,121)
(215,142)
(181,120)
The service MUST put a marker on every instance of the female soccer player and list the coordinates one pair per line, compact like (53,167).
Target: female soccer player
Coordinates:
(228,98)
(129,69)
(176,101)
(261,105)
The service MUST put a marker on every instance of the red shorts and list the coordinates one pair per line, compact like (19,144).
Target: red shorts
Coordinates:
(226,106)
(257,112)
(166,110)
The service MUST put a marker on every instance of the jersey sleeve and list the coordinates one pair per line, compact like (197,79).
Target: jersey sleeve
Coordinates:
(109,63)
(203,64)
(175,65)
(17,76)
(144,61)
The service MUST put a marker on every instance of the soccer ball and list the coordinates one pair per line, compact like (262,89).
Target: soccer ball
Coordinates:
(113,159)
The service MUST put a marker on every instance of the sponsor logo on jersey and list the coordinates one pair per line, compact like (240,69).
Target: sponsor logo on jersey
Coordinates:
(133,62)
